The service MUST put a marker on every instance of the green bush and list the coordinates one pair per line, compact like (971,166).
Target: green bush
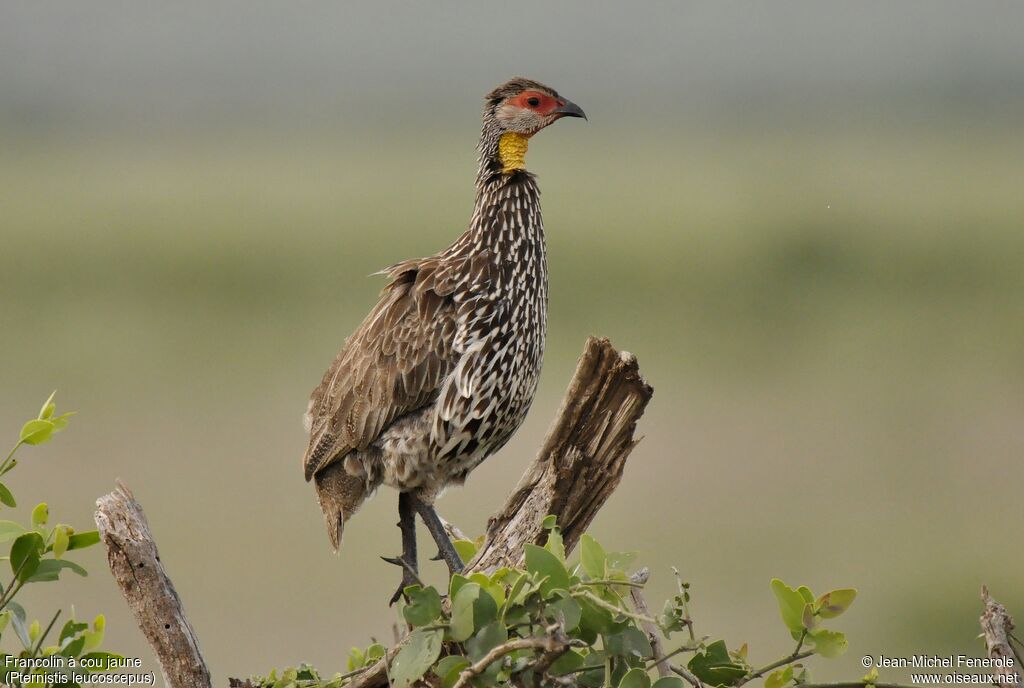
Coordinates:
(38,554)
(555,623)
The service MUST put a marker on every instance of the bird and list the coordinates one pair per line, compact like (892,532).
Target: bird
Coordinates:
(444,368)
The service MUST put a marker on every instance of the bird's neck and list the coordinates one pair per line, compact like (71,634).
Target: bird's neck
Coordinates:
(507,209)
(507,215)
(512,151)
(501,153)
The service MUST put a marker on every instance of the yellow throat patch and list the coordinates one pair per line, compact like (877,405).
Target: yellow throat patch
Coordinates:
(512,151)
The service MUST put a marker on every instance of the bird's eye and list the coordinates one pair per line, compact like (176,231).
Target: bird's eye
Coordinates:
(534,101)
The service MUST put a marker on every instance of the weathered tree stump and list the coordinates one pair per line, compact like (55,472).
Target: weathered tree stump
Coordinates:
(136,565)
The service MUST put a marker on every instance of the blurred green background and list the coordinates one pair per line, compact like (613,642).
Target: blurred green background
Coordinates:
(805,219)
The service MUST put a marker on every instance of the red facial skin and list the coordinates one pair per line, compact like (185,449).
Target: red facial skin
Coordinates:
(545,103)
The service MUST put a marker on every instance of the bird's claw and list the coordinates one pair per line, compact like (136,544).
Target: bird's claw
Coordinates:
(398,594)
(408,577)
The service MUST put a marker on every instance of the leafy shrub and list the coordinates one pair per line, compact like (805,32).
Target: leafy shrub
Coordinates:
(38,554)
(553,623)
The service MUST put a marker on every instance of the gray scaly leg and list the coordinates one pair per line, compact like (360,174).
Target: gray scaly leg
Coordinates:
(444,544)
(407,522)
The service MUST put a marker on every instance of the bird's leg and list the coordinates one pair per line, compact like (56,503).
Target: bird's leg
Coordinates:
(444,544)
(407,522)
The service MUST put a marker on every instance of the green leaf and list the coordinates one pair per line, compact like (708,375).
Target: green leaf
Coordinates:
(49,570)
(61,421)
(635,678)
(567,663)
(307,673)
(620,561)
(455,583)
(71,629)
(550,521)
(18,610)
(596,620)
(356,659)
(807,618)
(593,557)
(516,590)
(495,589)
(461,626)
(424,605)
(835,602)
(669,682)
(779,678)
(466,549)
(485,610)
(673,616)
(48,407)
(829,644)
(630,642)
(87,538)
(60,541)
(543,563)
(415,657)
(73,647)
(806,593)
(25,554)
(486,639)
(791,605)
(555,545)
(40,515)
(94,638)
(375,652)
(37,431)
(449,668)
(715,666)
(10,530)
(6,497)
(18,620)
(565,611)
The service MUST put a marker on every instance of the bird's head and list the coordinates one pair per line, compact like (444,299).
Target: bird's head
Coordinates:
(517,110)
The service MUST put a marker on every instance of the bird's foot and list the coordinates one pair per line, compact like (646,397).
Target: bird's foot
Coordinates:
(435,525)
(452,559)
(409,577)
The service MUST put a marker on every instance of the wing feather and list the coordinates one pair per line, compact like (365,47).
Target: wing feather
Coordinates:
(393,364)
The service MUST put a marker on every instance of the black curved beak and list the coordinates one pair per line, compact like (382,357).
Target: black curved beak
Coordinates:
(570,109)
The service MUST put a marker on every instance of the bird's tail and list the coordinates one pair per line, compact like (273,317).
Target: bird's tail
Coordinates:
(340,494)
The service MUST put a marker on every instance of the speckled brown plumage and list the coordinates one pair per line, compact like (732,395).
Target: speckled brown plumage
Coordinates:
(443,370)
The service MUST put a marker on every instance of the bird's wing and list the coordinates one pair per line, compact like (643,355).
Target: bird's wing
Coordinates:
(394,363)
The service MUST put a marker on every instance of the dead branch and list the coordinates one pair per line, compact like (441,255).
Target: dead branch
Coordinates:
(640,604)
(996,626)
(581,461)
(135,563)
(553,645)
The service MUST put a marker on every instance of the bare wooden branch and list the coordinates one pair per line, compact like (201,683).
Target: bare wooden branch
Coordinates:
(640,604)
(553,645)
(135,563)
(579,465)
(581,461)
(996,626)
